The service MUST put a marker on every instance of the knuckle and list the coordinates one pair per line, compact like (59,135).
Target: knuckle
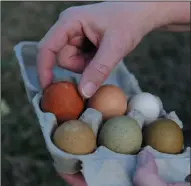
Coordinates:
(61,15)
(101,69)
(71,12)
(40,45)
(132,42)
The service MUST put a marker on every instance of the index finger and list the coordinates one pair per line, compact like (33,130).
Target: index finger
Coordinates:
(49,46)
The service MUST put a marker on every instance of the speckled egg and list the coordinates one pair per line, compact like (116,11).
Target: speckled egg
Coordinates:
(75,137)
(121,134)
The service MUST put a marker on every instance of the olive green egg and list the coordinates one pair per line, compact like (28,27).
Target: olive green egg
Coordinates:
(121,134)
(165,136)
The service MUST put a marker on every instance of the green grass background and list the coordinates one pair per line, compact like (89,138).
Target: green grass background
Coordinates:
(161,63)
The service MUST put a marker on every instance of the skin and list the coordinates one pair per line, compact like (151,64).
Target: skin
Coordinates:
(147,172)
(65,40)
(115,29)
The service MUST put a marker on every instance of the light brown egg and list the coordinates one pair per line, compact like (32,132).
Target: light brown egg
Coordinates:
(75,137)
(110,100)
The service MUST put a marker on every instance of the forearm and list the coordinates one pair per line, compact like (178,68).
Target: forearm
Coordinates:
(179,16)
(177,27)
(181,12)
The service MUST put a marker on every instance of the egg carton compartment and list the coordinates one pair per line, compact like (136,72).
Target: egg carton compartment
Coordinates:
(172,168)
(95,166)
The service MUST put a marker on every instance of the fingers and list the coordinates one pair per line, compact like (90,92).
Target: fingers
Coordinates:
(56,39)
(143,178)
(147,173)
(110,52)
(146,159)
(53,41)
(70,58)
(74,180)
(77,41)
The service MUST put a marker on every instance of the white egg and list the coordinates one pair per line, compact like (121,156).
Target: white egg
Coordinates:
(148,104)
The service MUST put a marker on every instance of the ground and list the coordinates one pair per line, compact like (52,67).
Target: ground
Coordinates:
(161,63)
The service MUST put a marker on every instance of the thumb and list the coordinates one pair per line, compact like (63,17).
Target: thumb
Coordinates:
(109,54)
(147,160)
(75,179)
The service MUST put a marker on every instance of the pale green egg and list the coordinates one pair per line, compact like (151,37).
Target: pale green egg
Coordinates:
(121,134)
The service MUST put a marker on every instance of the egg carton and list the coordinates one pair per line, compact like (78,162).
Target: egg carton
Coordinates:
(103,167)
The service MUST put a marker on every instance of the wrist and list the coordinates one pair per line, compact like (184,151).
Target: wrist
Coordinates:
(175,12)
(161,14)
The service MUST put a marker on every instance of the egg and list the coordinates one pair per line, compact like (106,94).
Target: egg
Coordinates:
(121,134)
(147,104)
(110,100)
(63,100)
(165,136)
(75,137)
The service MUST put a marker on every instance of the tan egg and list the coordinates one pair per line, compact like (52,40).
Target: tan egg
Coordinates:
(165,136)
(110,100)
(75,137)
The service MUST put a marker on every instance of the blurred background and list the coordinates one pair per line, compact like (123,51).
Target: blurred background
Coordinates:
(161,63)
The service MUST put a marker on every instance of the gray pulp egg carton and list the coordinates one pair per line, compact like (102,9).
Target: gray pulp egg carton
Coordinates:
(103,167)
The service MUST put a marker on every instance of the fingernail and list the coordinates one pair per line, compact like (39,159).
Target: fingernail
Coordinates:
(89,89)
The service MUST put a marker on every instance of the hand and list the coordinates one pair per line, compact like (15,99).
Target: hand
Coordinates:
(74,180)
(114,28)
(147,172)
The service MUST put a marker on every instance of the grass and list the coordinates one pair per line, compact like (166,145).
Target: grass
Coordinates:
(161,63)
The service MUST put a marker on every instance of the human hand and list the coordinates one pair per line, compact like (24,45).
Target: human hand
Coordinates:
(74,180)
(114,28)
(147,172)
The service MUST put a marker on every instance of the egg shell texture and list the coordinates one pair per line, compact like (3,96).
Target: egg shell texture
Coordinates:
(75,137)
(147,104)
(109,100)
(63,100)
(121,134)
(165,136)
